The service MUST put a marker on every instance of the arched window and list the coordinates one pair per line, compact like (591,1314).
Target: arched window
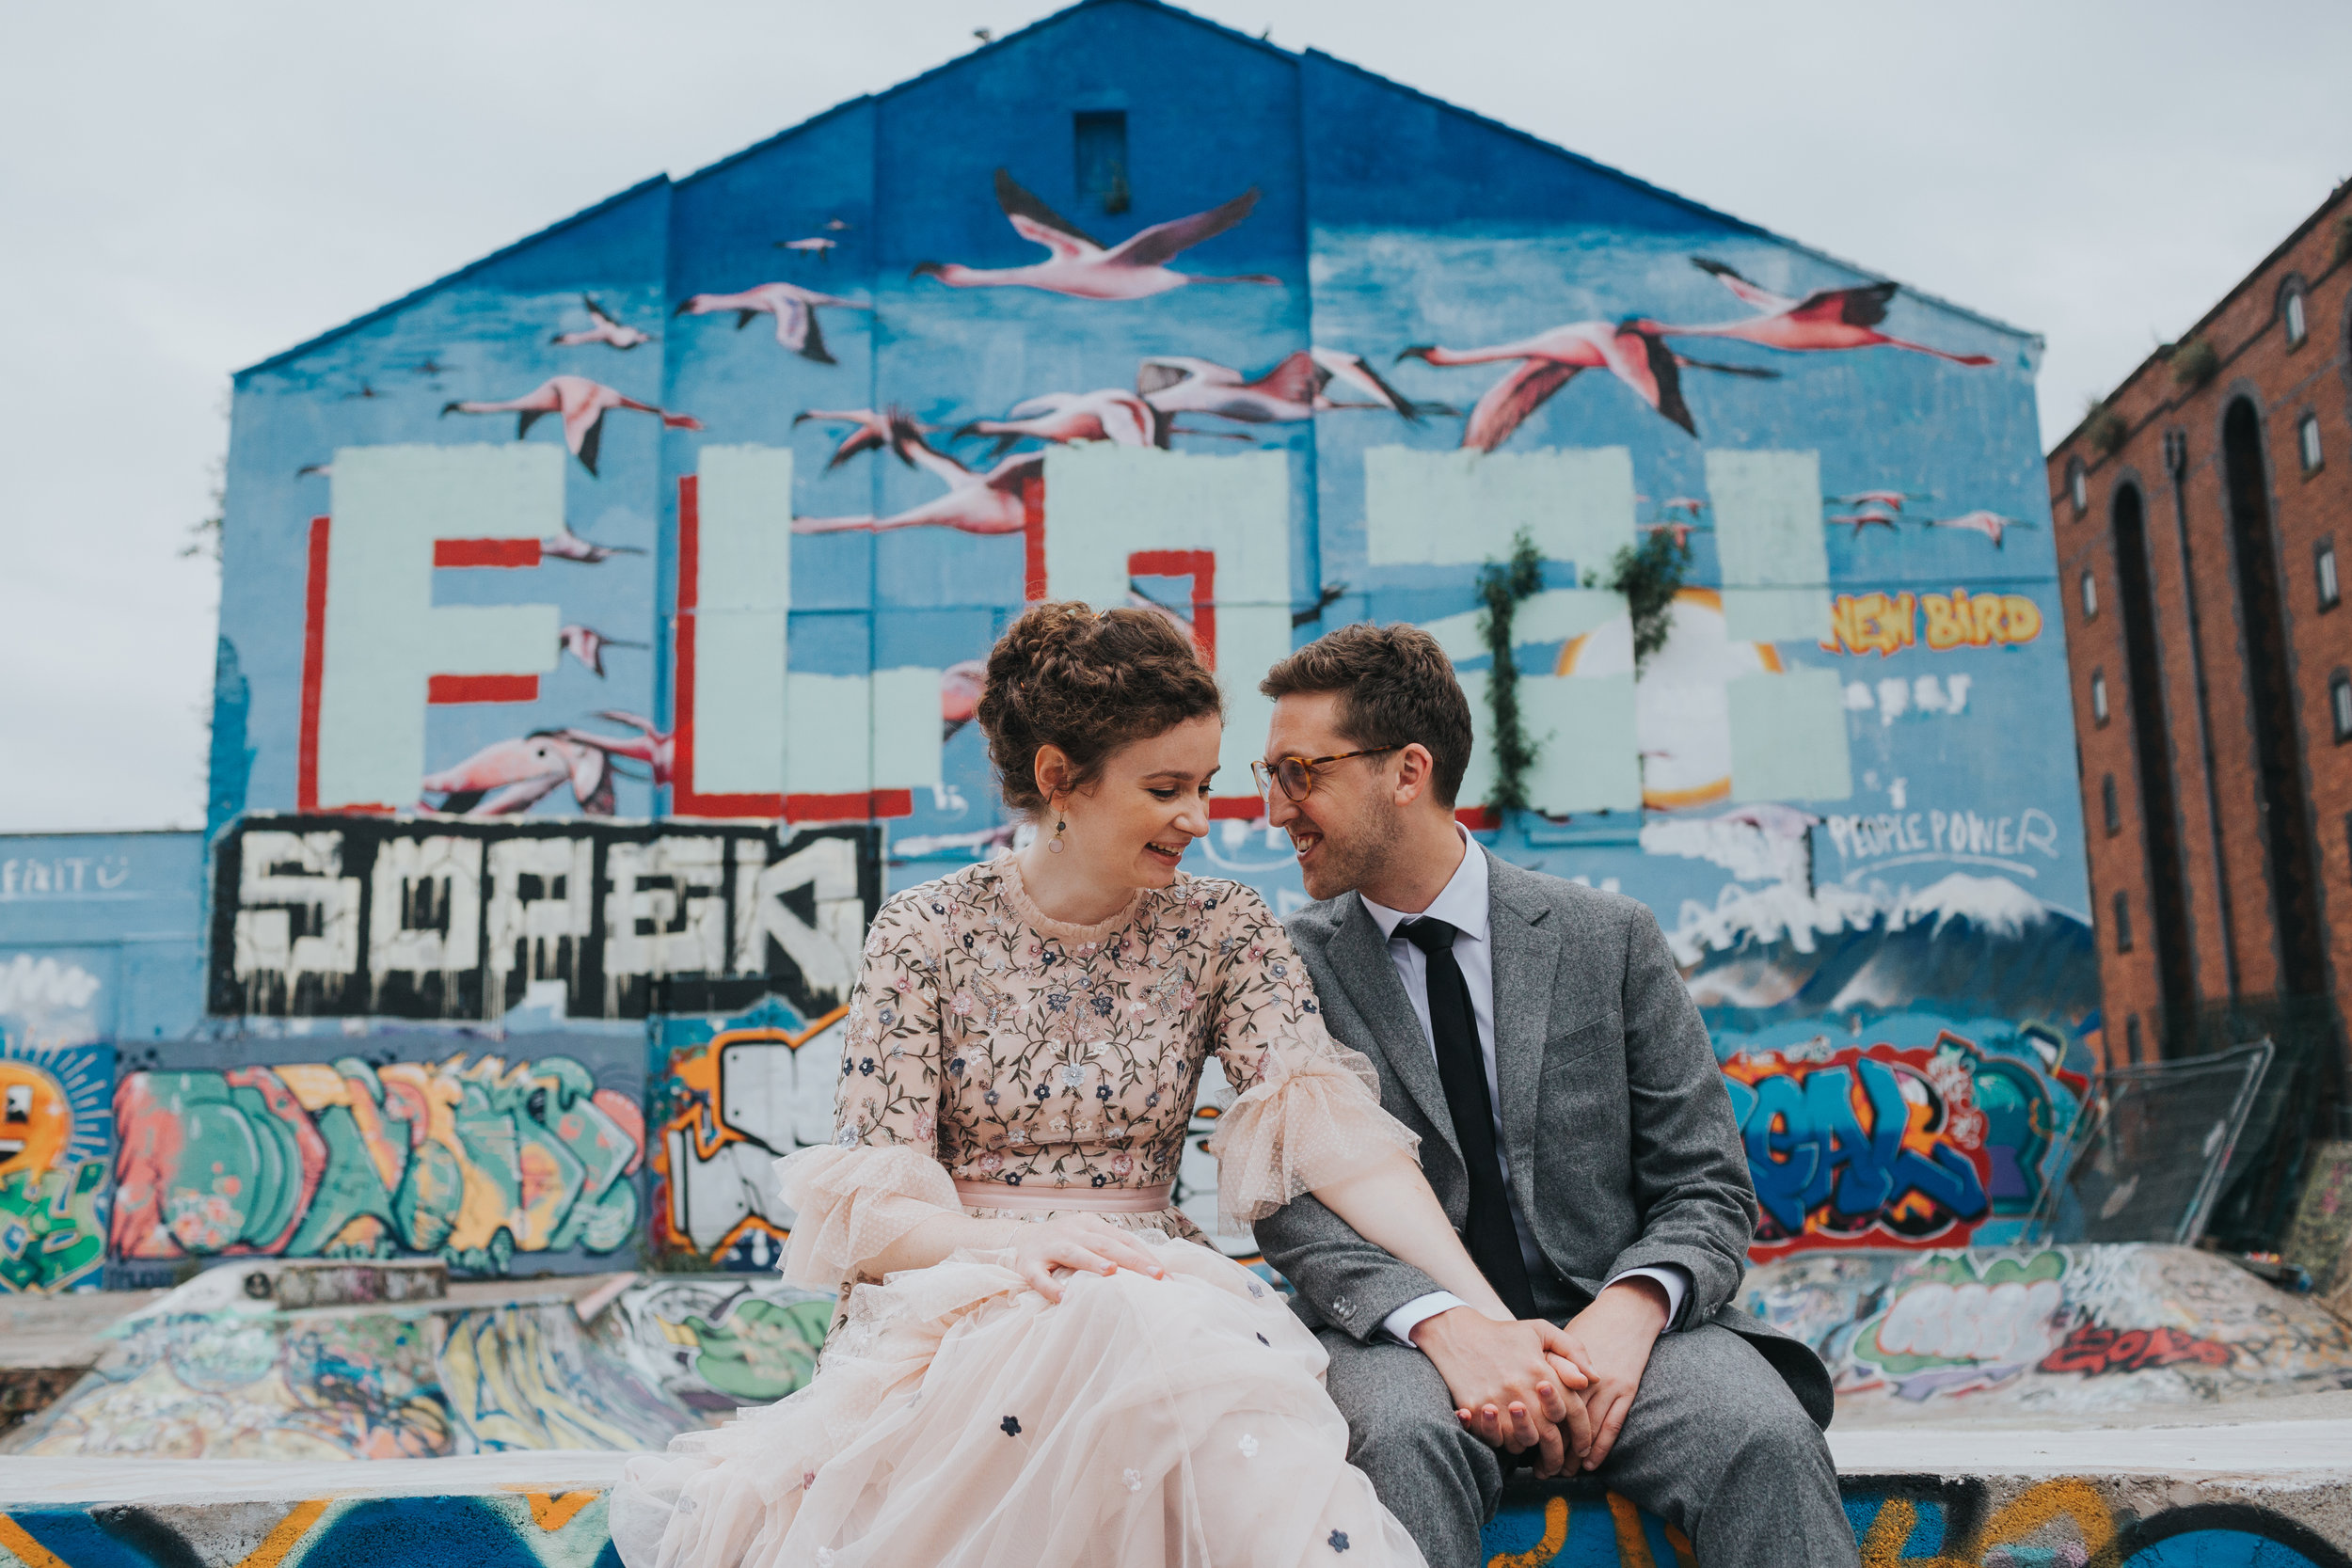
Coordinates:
(2122,921)
(2114,809)
(2079,485)
(2307,443)
(2292,312)
(2340,705)
(2131,1039)
(2090,598)
(2324,574)
(2099,696)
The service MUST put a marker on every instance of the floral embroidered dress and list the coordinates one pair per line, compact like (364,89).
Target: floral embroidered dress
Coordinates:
(1008,1066)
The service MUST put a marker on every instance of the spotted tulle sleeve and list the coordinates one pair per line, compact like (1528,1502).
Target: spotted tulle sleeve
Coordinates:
(1307,1109)
(880,1176)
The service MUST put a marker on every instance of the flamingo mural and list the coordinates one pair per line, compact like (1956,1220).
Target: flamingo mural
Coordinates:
(509,777)
(1111,415)
(1631,351)
(794,307)
(1082,266)
(579,404)
(1295,388)
(603,328)
(587,644)
(1826,320)
(976,501)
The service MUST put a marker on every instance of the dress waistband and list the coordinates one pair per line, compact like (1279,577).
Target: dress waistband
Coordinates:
(1039,1200)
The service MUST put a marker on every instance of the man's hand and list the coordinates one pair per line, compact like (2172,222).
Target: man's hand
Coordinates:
(1505,1386)
(1610,1340)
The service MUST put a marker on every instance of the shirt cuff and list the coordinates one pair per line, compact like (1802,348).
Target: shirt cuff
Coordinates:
(1399,1324)
(1673,1278)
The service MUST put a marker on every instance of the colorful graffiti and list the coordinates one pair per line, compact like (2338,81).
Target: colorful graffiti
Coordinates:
(1929,1521)
(2059,1331)
(717,1345)
(474,1160)
(57,1137)
(733,1098)
(1885,1144)
(1883,624)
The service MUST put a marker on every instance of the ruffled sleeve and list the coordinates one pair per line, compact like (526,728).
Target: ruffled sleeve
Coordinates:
(880,1176)
(1307,1109)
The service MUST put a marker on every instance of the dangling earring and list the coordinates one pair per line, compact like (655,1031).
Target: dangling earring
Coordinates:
(1055,844)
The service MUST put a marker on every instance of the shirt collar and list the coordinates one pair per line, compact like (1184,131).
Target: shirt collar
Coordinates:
(1461,904)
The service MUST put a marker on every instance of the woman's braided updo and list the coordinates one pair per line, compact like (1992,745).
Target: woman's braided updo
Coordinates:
(1064,675)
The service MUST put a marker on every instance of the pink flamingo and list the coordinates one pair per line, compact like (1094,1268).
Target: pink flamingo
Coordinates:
(568,545)
(1824,320)
(815,245)
(1082,266)
(509,777)
(605,331)
(1892,499)
(794,307)
(1682,530)
(976,502)
(581,403)
(1631,351)
(1869,517)
(1294,390)
(649,745)
(1111,415)
(868,431)
(960,694)
(1990,524)
(587,644)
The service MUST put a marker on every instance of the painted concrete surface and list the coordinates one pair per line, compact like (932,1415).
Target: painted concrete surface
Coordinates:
(2059,1334)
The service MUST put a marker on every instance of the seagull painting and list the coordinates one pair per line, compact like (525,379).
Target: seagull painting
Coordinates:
(581,403)
(605,329)
(1111,415)
(794,307)
(976,502)
(1083,267)
(1295,388)
(509,777)
(587,644)
(1631,351)
(1990,524)
(1826,320)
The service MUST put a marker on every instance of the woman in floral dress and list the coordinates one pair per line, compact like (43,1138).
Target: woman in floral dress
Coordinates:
(1038,1363)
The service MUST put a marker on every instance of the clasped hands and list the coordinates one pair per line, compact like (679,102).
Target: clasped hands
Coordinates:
(1563,1391)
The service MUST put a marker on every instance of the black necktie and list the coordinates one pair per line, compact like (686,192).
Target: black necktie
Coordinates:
(1492,1240)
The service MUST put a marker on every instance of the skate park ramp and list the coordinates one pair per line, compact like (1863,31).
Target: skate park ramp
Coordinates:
(313,1362)
(2081,1335)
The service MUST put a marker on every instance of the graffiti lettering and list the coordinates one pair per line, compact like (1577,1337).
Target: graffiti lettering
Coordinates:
(1945,833)
(472,1162)
(1859,1144)
(66,876)
(2095,1351)
(735,1103)
(1886,624)
(54,1132)
(327,916)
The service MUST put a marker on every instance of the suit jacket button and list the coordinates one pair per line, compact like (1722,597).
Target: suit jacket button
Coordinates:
(1345,1308)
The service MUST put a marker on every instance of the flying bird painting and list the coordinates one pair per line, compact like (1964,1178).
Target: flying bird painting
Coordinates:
(650,745)
(976,502)
(509,777)
(1869,517)
(1990,524)
(868,431)
(1629,351)
(794,307)
(1111,415)
(587,644)
(1295,388)
(1826,320)
(603,328)
(1082,267)
(959,686)
(581,403)
(568,545)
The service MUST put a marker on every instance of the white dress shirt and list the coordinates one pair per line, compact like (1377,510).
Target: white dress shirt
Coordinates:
(1463,905)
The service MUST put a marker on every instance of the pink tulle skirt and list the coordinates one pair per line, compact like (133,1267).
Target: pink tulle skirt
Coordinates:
(960,1421)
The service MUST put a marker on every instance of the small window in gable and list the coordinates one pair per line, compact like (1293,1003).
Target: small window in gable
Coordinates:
(2324,572)
(2131,1039)
(2099,696)
(1101,137)
(2307,440)
(2122,922)
(2290,312)
(2078,486)
(2090,596)
(2340,704)
(2114,809)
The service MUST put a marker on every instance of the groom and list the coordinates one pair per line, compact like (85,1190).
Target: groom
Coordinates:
(1536,1034)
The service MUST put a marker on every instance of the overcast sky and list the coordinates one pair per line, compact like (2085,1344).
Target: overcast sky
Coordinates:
(187,189)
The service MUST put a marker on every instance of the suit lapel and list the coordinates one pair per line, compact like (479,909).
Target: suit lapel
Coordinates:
(1361,958)
(1526,958)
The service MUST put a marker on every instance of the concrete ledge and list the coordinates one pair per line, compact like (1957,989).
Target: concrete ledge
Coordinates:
(2258,1495)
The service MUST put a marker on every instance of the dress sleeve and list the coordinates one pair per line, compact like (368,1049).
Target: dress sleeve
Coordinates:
(881,1176)
(1307,1109)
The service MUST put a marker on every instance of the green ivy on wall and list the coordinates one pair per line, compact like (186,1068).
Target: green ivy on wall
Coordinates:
(1649,575)
(1505,585)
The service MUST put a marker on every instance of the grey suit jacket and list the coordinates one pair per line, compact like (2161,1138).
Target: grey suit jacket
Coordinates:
(1616,1126)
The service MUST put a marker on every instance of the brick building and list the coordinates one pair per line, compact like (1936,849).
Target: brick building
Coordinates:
(2198,511)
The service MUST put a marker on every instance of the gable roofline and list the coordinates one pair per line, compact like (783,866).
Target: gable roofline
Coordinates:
(584,214)
(1674,198)
(1176,13)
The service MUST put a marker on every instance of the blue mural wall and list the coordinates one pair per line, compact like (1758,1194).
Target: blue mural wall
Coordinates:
(599,627)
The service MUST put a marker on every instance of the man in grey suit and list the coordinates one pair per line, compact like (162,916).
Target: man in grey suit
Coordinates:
(1536,1036)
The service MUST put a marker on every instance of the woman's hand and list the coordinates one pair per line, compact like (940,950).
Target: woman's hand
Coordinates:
(1082,1243)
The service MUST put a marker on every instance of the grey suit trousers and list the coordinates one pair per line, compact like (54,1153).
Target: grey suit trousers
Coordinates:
(1715,1445)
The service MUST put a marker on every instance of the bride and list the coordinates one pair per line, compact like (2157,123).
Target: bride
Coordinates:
(1038,1362)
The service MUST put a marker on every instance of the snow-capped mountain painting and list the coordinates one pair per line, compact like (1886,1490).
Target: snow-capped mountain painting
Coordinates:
(1965,945)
